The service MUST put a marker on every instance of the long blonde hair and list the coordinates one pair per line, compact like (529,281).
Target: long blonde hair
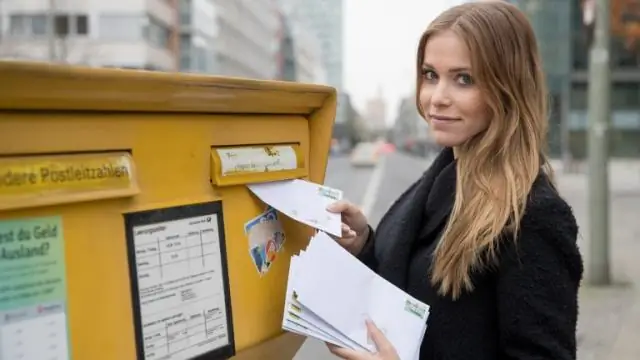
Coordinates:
(496,169)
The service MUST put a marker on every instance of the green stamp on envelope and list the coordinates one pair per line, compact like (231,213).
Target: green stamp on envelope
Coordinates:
(415,308)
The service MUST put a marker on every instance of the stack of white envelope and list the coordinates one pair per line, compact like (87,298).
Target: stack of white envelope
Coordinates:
(330,294)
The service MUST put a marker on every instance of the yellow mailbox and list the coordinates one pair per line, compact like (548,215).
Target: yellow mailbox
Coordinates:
(123,202)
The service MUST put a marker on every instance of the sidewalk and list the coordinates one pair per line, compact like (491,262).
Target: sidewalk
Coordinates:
(609,322)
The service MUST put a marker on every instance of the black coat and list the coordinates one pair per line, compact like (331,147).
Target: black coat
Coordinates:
(525,308)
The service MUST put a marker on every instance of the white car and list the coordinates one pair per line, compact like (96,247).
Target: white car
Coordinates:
(364,155)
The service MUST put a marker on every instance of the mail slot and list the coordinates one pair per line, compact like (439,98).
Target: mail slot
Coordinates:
(123,201)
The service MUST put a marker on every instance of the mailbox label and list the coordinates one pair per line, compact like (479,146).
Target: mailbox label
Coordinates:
(45,180)
(254,159)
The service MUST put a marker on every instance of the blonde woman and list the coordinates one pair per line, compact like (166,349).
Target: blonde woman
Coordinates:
(483,237)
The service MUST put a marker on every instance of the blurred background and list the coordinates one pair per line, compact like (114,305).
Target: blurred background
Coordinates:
(366,50)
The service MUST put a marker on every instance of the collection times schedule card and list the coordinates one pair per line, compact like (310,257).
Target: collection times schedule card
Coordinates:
(181,288)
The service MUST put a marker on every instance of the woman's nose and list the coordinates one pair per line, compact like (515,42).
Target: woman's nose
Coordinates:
(440,95)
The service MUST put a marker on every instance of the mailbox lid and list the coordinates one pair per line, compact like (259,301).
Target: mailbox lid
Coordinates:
(30,86)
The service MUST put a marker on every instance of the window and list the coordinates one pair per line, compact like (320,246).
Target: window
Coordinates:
(61,25)
(200,57)
(185,63)
(156,33)
(19,25)
(82,24)
(38,24)
(625,96)
(579,95)
(185,12)
(121,27)
(25,25)
(185,43)
(185,52)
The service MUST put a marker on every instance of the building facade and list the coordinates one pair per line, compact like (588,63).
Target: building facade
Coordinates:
(198,34)
(564,31)
(375,113)
(308,54)
(286,60)
(229,38)
(247,44)
(325,20)
(237,38)
(625,76)
(300,57)
(141,34)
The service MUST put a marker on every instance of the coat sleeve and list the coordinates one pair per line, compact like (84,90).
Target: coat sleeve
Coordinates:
(537,287)
(367,255)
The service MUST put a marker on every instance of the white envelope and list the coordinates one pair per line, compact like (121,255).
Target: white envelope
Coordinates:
(338,293)
(303,201)
(297,313)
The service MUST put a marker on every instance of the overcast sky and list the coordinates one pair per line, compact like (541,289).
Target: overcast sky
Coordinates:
(381,37)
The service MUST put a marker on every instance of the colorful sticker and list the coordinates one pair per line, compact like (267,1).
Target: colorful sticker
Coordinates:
(266,239)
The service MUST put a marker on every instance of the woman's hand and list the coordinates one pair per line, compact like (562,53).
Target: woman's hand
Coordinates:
(386,351)
(355,229)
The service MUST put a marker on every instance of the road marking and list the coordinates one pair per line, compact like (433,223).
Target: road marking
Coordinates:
(371,193)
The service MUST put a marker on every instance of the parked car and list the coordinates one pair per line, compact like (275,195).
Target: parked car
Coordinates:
(365,154)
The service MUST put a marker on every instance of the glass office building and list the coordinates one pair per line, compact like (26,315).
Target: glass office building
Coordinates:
(564,41)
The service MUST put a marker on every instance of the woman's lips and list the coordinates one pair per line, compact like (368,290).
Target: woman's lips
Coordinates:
(440,119)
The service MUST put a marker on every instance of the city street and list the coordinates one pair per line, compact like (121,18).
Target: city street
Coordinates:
(609,321)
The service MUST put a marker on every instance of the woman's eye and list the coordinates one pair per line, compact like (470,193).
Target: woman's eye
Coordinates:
(465,79)
(428,74)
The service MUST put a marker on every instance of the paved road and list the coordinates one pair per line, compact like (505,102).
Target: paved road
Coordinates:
(395,174)
(351,180)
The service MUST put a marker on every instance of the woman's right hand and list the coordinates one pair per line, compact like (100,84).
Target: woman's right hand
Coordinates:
(355,229)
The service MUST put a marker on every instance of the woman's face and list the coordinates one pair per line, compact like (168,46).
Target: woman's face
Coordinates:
(452,103)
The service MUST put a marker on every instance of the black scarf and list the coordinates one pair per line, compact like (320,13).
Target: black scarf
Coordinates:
(417,216)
